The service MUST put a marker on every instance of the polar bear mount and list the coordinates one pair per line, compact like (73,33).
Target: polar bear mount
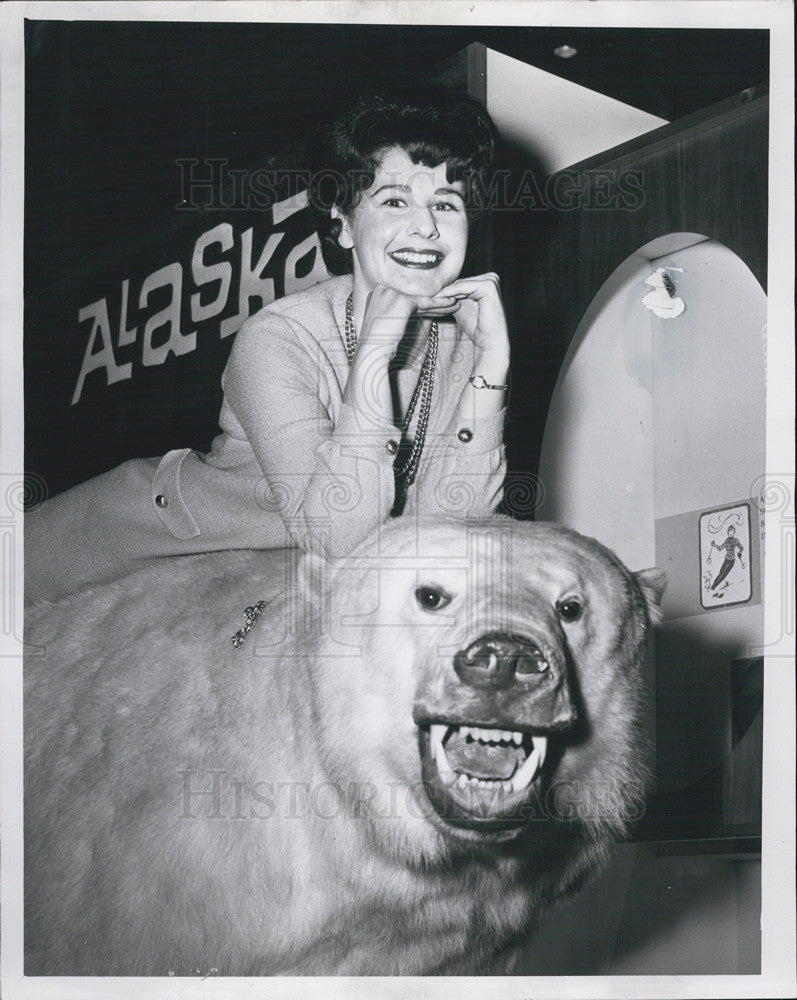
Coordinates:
(404,759)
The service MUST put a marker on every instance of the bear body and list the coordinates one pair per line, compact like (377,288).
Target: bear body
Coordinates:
(402,760)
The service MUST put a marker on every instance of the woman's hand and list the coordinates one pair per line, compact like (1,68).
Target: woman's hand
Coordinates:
(481,318)
(481,313)
(388,312)
(384,325)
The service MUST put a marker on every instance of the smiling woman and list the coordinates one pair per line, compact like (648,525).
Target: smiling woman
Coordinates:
(377,393)
(409,229)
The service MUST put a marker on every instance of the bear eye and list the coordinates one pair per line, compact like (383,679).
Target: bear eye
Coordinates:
(569,609)
(432,598)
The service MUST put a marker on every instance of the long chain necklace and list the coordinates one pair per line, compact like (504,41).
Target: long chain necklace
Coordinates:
(406,470)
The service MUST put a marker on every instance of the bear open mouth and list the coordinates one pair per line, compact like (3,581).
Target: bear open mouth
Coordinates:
(488,758)
(478,777)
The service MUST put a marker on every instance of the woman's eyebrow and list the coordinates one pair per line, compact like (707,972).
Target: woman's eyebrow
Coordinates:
(392,187)
(406,189)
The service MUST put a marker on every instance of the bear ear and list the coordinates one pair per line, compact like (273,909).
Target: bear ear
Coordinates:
(652,583)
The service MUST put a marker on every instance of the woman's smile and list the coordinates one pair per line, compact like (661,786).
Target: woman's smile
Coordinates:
(424,259)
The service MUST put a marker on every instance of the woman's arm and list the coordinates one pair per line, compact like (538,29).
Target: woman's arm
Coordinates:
(332,482)
(481,321)
(464,471)
(331,476)
(384,324)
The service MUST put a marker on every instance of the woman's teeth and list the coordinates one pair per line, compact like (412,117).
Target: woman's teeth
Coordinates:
(417,258)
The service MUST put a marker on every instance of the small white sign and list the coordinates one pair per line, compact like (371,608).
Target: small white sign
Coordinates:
(726,576)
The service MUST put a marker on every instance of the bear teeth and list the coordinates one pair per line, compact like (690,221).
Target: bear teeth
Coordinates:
(436,734)
(520,780)
(531,766)
(491,735)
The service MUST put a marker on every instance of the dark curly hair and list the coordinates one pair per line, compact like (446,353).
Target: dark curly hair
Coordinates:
(343,155)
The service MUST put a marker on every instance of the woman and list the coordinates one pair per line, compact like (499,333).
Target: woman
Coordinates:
(377,393)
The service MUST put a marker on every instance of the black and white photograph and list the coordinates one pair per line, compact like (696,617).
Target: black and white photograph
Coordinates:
(397,499)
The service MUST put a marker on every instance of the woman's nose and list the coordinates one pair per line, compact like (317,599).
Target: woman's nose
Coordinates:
(422,223)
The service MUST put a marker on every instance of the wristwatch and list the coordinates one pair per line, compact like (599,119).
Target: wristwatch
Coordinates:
(479,382)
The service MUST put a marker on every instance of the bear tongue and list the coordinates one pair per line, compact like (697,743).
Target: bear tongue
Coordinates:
(483,760)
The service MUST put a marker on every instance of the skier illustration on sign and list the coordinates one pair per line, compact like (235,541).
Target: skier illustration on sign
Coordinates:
(731,546)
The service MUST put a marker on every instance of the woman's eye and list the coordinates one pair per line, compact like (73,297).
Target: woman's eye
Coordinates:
(570,609)
(445,206)
(394,202)
(431,598)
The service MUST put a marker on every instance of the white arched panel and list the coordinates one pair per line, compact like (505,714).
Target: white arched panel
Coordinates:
(652,416)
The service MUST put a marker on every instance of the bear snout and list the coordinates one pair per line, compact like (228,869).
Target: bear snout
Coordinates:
(500,679)
(498,660)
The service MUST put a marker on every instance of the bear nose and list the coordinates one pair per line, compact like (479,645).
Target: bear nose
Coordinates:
(499,661)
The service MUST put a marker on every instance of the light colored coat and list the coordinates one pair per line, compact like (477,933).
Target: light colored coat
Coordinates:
(293,465)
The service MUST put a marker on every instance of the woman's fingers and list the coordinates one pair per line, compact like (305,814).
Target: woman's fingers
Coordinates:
(475,287)
(389,306)
(389,302)
(440,305)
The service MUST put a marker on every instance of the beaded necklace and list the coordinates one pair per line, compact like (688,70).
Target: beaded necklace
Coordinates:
(405,470)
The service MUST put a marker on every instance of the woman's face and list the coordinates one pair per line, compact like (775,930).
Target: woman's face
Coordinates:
(409,230)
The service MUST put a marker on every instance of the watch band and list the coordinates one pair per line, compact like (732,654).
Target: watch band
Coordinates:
(479,382)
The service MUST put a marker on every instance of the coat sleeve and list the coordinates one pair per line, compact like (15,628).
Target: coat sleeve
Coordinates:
(332,482)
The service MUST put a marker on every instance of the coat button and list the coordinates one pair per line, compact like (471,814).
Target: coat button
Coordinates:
(161,501)
(465,435)
(392,447)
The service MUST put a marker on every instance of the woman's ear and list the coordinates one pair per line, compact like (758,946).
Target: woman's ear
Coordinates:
(344,236)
